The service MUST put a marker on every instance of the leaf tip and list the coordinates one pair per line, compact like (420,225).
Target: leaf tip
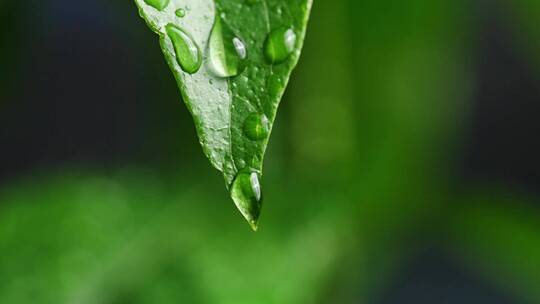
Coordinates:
(254,225)
(251,218)
(246,194)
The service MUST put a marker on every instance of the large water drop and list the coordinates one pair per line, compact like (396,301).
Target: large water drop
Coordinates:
(246,194)
(158,4)
(227,53)
(188,53)
(257,127)
(279,45)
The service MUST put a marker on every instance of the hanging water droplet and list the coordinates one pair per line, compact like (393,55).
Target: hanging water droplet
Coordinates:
(257,127)
(246,194)
(279,45)
(181,13)
(158,4)
(227,53)
(187,51)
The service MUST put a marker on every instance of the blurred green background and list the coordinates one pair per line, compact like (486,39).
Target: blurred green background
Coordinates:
(403,167)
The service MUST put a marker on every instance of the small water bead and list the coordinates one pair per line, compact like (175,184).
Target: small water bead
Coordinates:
(188,53)
(275,85)
(240,48)
(227,52)
(279,45)
(246,194)
(257,126)
(181,13)
(160,5)
(241,163)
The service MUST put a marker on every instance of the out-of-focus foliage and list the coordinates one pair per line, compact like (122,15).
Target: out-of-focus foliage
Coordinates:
(526,13)
(132,238)
(499,236)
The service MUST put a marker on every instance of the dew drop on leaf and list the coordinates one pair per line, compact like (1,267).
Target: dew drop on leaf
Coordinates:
(227,53)
(246,194)
(257,127)
(275,84)
(279,45)
(181,13)
(158,4)
(240,48)
(188,54)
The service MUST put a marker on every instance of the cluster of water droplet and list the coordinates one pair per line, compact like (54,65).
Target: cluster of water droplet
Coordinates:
(227,56)
(227,51)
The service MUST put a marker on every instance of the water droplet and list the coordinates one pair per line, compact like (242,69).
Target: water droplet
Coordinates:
(158,4)
(279,45)
(240,48)
(275,85)
(257,127)
(181,13)
(246,194)
(227,52)
(187,51)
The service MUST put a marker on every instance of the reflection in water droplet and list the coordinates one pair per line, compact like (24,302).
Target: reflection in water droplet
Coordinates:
(246,194)
(227,53)
(279,45)
(157,4)
(187,51)
(255,186)
(180,12)
(257,127)
(240,48)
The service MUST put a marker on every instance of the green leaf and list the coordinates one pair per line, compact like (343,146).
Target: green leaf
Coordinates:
(232,60)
